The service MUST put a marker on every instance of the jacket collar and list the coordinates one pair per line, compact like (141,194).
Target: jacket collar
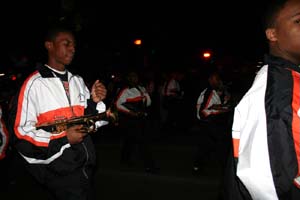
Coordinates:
(46,72)
(280,62)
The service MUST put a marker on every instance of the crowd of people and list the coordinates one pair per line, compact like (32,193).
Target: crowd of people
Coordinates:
(63,161)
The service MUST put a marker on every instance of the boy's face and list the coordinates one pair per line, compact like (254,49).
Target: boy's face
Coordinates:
(285,35)
(62,49)
(133,78)
(215,81)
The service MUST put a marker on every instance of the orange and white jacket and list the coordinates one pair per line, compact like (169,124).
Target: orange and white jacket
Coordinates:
(136,96)
(207,98)
(4,136)
(42,98)
(265,133)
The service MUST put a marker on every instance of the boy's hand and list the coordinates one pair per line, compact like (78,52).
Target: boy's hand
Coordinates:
(98,91)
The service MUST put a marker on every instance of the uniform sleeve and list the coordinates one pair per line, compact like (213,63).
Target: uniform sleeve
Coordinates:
(122,99)
(36,146)
(236,132)
(198,105)
(147,96)
(210,98)
(3,137)
(101,107)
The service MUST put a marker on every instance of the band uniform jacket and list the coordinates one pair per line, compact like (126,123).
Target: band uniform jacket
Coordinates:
(43,98)
(266,132)
(207,98)
(133,99)
(4,137)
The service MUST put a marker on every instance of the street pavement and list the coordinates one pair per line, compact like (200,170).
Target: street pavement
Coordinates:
(175,180)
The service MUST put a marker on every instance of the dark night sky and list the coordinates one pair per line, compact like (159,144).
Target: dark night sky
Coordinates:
(172,30)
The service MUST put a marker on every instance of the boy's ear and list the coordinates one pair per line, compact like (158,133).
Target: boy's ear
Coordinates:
(271,34)
(48,45)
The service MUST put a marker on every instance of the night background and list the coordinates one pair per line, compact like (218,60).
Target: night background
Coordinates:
(173,34)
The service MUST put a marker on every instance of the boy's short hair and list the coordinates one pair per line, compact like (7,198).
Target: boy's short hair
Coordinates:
(272,10)
(53,31)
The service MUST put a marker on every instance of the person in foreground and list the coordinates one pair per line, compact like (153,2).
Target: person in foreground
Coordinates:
(63,161)
(266,126)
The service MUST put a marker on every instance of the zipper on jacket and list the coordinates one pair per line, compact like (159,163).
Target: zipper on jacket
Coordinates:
(68,96)
(85,149)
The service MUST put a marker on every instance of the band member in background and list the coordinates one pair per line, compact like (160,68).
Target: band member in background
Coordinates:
(133,103)
(4,137)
